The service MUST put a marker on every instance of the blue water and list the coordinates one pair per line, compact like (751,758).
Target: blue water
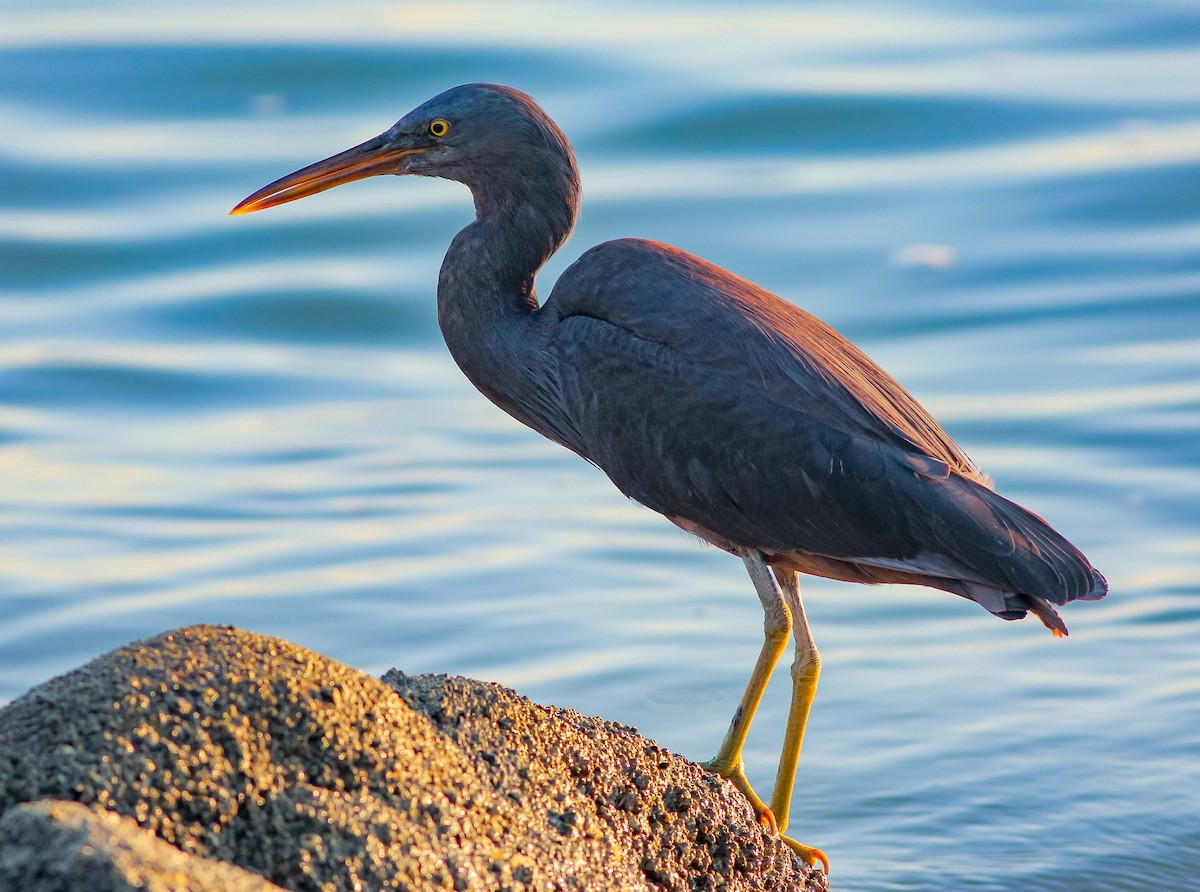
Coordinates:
(254,420)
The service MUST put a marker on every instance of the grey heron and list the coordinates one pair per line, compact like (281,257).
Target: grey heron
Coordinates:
(735,414)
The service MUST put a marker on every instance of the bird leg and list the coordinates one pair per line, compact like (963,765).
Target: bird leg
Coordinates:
(777,622)
(780,605)
(806,669)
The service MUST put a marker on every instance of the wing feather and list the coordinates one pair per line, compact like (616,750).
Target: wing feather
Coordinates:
(708,399)
(735,327)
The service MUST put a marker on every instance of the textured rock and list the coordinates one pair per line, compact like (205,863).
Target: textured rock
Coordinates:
(253,751)
(53,846)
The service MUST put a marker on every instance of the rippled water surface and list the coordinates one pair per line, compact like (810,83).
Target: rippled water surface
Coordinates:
(254,420)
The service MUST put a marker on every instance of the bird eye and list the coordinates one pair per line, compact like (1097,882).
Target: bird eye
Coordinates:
(439,127)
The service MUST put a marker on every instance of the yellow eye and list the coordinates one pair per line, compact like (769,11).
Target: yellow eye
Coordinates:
(439,127)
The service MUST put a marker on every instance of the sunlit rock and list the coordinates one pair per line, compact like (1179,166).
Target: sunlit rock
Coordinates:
(253,751)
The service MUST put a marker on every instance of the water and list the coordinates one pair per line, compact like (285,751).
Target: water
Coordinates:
(254,421)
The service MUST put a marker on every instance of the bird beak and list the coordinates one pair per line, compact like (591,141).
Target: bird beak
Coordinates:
(373,157)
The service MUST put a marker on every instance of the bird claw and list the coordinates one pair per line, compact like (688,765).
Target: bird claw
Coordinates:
(808,853)
(811,856)
(766,817)
(762,812)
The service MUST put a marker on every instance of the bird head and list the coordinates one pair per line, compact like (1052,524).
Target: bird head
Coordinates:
(492,138)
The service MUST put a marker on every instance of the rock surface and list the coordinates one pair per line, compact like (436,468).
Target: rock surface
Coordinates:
(249,750)
(53,846)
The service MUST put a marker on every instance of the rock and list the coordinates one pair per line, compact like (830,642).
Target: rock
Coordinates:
(249,750)
(53,846)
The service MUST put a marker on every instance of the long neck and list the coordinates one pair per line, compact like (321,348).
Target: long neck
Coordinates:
(486,297)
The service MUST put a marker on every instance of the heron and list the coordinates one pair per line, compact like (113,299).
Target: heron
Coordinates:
(741,418)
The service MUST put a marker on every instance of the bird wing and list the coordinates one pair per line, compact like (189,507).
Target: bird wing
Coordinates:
(705,398)
(731,326)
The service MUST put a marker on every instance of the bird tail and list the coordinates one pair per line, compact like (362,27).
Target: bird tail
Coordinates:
(1029,567)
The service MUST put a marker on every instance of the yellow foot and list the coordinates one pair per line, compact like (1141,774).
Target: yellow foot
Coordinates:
(808,853)
(737,776)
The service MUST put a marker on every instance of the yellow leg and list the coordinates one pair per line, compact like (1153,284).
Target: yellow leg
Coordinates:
(777,622)
(780,604)
(806,669)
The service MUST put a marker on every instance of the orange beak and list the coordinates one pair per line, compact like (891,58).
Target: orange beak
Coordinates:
(369,159)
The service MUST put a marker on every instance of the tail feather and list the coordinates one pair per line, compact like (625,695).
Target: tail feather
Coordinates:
(1041,608)
(1010,606)
(1046,564)
(1099,587)
(1006,558)
(968,540)
(1009,547)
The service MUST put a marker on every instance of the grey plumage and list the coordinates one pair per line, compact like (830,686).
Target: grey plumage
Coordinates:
(737,415)
(731,411)
(722,406)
